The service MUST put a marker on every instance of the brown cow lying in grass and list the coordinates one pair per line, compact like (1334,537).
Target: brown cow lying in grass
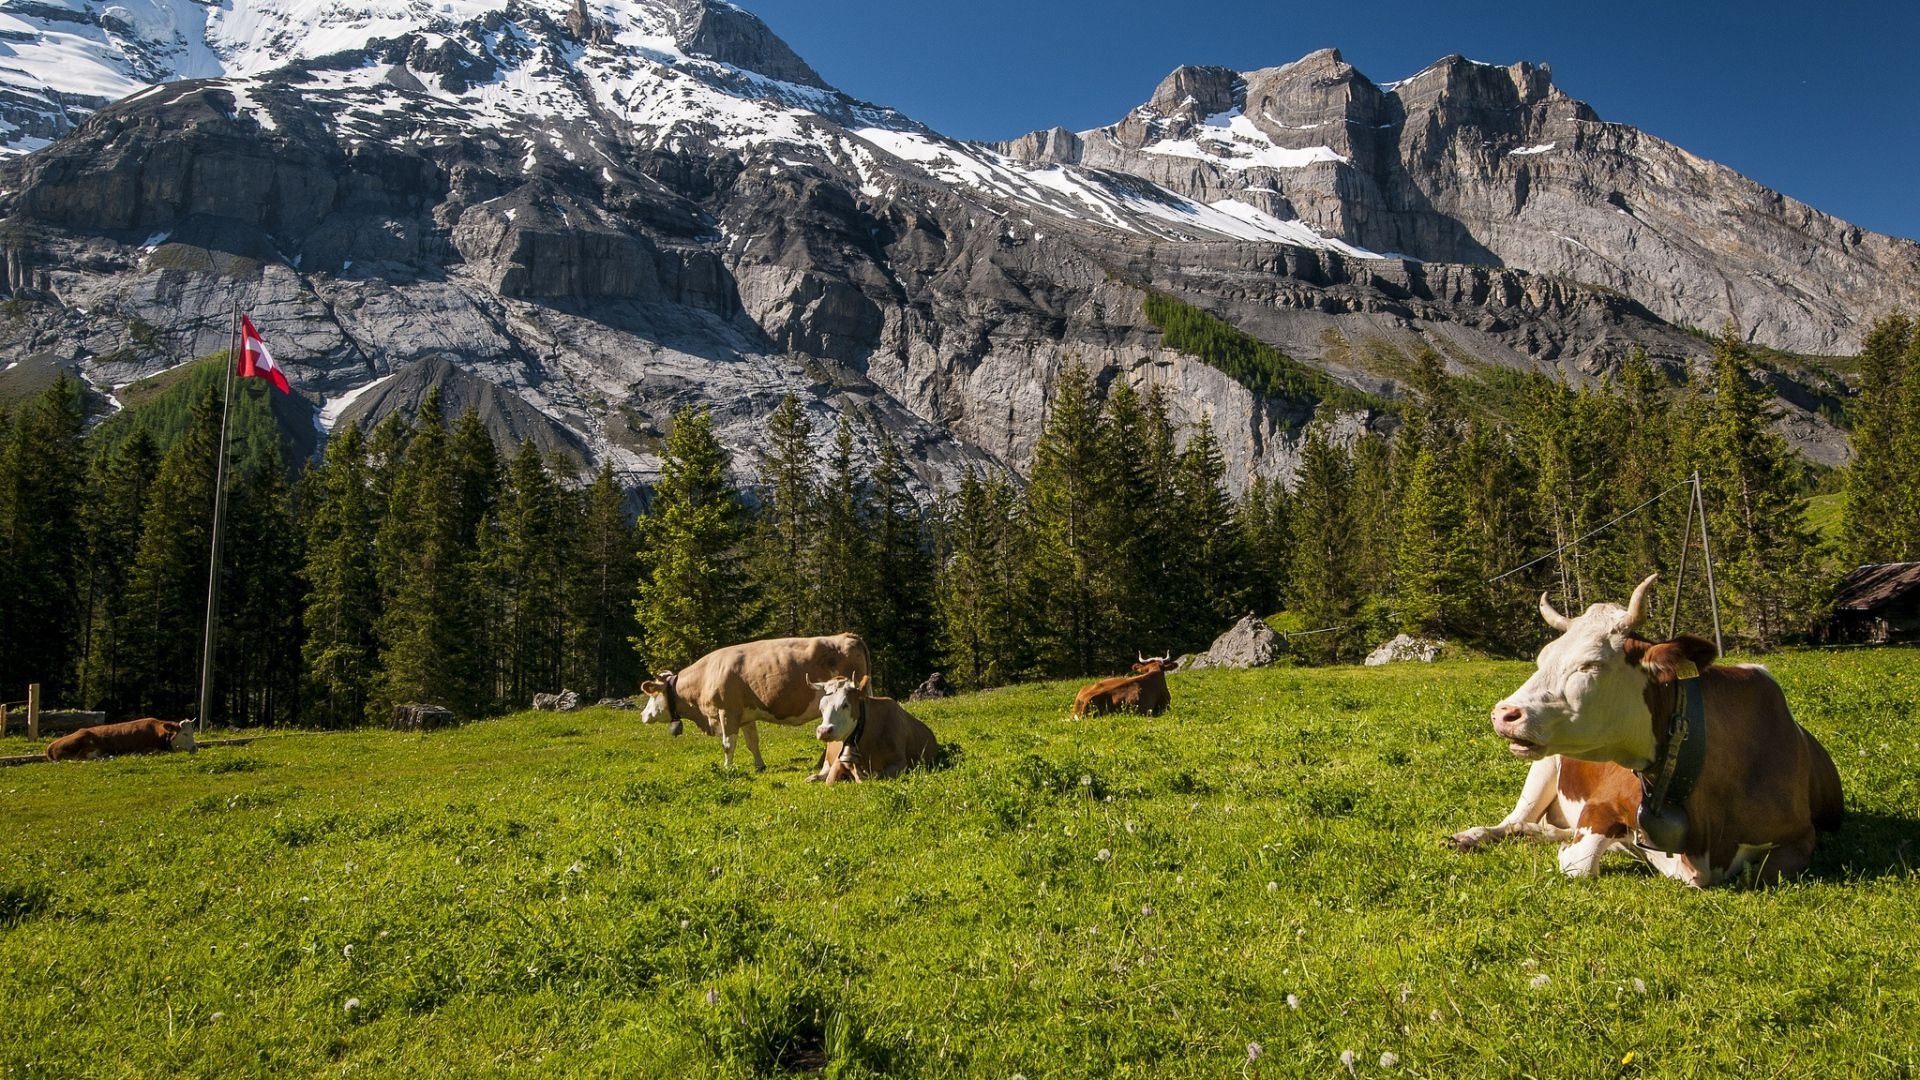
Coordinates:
(1144,691)
(148,736)
(867,736)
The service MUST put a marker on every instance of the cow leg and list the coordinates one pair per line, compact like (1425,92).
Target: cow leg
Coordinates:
(1581,858)
(752,731)
(728,726)
(1527,818)
(1770,865)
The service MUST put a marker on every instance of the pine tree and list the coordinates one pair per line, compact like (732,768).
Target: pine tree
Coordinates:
(789,523)
(694,593)
(982,595)
(1324,593)
(1879,525)
(1268,537)
(343,595)
(525,564)
(424,557)
(1140,527)
(1504,531)
(1762,551)
(606,573)
(1435,591)
(167,590)
(257,669)
(1067,496)
(1215,586)
(117,491)
(841,588)
(42,476)
(1374,510)
(901,583)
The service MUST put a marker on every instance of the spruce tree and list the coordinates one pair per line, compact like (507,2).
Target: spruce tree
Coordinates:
(1435,592)
(606,572)
(525,565)
(693,597)
(789,523)
(1068,499)
(1212,542)
(900,621)
(1140,525)
(1879,515)
(167,589)
(1762,551)
(257,669)
(1324,594)
(42,477)
(117,490)
(841,586)
(1268,538)
(982,595)
(343,595)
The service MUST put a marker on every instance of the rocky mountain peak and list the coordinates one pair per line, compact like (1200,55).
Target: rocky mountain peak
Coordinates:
(727,34)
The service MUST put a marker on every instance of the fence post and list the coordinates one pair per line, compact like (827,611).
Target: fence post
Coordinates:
(33,710)
(3,718)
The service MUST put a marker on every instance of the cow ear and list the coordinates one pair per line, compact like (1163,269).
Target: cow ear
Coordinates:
(650,687)
(1699,651)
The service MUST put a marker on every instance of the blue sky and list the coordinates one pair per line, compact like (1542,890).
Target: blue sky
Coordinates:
(1820,101)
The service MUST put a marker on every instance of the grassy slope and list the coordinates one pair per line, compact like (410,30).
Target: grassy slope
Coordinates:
(560,895)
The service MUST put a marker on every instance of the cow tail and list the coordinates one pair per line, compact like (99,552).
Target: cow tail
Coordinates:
(1823,786)
(861,658)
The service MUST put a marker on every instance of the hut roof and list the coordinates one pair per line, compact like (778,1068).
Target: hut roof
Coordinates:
(1868,587)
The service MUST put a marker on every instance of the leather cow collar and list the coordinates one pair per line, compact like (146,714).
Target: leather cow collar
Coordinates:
(1665,786)
(851,744)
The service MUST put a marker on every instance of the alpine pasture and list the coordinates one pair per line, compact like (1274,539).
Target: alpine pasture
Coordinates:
(1251,885)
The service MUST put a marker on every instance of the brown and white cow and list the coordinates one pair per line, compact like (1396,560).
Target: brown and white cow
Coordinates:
(1144,691)
(148,736)
(1595,720)
(728,690)
(868,737)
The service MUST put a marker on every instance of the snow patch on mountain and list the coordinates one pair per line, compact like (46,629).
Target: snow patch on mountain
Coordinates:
(1232,141)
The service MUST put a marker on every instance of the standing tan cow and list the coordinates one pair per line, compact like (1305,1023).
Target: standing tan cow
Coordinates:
(868,737)
(1698,769)
(148,736)
(729,690)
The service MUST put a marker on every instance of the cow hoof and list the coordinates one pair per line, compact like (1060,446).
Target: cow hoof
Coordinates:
(1466,841)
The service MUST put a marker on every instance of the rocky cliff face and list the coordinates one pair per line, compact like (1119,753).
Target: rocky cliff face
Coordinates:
(577,216)
(1472,163)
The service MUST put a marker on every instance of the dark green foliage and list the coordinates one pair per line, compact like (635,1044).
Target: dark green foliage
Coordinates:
(985,548)
(603,662)
(167,590)
(1253,363)
(1068,506)
(693,597)
(42,476)
(840,556)
(117,489)
(1213,590)
(1882,488)
(525,558)
(343,596)
(788,522)
(899,624)
(1324,590)
(266,425)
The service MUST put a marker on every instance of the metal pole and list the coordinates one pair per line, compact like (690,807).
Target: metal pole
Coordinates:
(1706,558)
(219,514)
(1680,579)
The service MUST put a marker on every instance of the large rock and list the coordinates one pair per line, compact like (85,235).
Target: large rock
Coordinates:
(564,701)
(1404,648)
(1250,643)
(420,718)
(933,689)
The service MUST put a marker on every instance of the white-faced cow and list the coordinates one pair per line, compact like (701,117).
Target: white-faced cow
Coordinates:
(1697,768)
(868,737)
(1144,691)
(728,690)
(148,736)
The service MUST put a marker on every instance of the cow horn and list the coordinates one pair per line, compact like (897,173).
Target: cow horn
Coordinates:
(1637,607)
(1554,618)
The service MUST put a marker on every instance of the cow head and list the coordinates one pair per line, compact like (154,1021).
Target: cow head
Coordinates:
(1587,698)
(1149,664)
(839,704)
(183,733)
(656,708)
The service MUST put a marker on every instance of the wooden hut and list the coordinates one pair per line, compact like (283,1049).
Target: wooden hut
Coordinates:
(1876,605)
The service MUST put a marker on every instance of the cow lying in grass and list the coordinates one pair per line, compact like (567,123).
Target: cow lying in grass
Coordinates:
(1704,781)
(148,736)
(868,737)
(1144,691)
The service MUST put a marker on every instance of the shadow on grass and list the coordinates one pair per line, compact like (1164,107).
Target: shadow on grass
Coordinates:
(1869,845)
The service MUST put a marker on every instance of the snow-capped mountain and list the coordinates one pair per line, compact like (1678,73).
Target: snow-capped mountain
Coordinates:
(579,215)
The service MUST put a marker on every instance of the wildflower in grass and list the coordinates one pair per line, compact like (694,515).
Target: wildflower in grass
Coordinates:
(217,1016)
(1434,1016)
(1639,987)
(713,997)
(1293,1001)
(1539,980)
(347,950)
(1253,1052)
(1347,1058)
(1389,1060)
(1103,855)
(1146,909)
(352,1004)
(1273,886)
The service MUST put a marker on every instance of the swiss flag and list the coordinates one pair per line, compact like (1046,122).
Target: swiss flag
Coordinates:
(255,361)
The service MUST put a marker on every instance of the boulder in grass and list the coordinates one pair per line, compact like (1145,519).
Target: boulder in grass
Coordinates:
(564,701)
(420,718)
(1251,643)
(624,703)
(933,689)
(1406,647)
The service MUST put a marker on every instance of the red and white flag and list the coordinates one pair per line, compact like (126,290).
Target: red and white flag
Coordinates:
(255,361)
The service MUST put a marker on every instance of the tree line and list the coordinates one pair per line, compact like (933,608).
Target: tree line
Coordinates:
(418,562)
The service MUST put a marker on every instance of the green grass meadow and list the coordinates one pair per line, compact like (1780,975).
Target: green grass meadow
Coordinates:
(1250,886)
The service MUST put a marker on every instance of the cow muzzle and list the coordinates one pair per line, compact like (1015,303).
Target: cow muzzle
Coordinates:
(824,733)
(1510,723)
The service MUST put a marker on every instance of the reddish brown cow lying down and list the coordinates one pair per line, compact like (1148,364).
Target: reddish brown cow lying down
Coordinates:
(1144,691)
(148,736)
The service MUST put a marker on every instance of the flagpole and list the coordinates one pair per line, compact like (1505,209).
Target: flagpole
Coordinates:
(219,516)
